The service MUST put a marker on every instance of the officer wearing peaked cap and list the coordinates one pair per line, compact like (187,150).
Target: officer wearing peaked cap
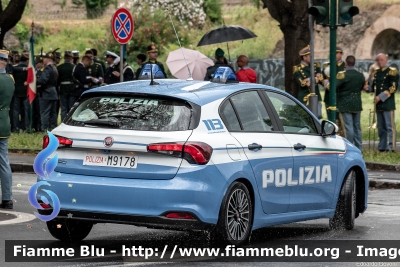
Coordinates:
(302,76)
(152,53)
(57,57)
(340,66)
(113,60)
(6,94)
(66,84)
(48,96)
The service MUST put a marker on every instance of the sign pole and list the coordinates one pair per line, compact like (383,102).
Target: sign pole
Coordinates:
(121,64)
(332,64)
(313,99)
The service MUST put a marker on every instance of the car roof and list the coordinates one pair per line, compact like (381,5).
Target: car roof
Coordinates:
(198,92)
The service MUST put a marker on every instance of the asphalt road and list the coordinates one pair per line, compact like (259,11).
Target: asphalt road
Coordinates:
(380,222)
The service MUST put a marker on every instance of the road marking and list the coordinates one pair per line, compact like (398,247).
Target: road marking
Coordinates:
(24,217)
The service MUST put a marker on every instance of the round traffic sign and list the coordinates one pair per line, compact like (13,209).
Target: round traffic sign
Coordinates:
(122,25)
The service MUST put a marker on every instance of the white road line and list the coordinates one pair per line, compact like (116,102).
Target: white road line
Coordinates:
(21,217)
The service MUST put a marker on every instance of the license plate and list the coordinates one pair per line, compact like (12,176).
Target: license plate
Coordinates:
(118,161)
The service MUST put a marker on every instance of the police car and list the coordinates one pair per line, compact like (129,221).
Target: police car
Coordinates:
(224,157)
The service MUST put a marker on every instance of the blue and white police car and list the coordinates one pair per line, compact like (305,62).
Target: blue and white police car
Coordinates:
(224,157)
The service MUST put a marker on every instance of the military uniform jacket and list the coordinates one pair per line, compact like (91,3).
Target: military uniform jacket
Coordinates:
(95,70)
(48,81)
(341,66)
(103,66)
(20,77)
(129,74)
(385,86)
(6,93)
(301,74)
(109,77)
(65,81)
(81,78)
(350,84)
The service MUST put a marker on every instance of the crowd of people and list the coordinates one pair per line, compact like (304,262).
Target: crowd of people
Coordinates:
(383,81)
(60,84)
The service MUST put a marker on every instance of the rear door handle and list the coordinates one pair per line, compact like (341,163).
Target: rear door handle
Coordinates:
(299,146)
(254,146)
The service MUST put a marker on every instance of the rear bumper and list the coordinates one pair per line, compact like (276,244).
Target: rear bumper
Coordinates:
(197,190)
(159,222)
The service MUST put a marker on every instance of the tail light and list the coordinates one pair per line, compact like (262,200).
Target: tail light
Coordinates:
(180,215)
(193,152)
(62,141)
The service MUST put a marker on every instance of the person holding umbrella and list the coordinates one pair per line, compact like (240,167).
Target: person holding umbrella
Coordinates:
(220,61)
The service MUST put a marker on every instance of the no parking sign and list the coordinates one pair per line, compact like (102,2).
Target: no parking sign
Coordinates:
(122,26)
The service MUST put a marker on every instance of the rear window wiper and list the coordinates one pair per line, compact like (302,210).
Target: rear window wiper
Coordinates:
(103,122)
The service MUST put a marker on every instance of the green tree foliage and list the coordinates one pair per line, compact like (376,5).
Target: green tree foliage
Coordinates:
(94,8)
(213,9)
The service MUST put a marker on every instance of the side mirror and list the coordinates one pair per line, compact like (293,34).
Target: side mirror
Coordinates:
(329,128)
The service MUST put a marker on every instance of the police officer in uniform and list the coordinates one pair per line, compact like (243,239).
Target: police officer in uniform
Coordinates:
(340,66)
(110,77)
(128,72)
(94,70)
(48,96)
(57,58)
(75,56)
(96,60)
(302,76)
(21,101)
(80,75)
(385,86)
(6,93)
(350,84)
(66,84)
(152,52)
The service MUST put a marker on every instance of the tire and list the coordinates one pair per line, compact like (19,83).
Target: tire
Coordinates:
(69,230)
(235,219)
(346,208)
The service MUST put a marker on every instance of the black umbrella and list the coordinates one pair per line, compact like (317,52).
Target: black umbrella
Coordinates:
(226,34)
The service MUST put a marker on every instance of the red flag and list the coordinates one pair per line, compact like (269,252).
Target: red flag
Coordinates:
(31,80)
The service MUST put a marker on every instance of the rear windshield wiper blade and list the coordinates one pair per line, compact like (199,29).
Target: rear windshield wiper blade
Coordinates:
(103,122)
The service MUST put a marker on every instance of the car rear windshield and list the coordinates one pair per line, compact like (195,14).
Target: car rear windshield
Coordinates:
(132,113)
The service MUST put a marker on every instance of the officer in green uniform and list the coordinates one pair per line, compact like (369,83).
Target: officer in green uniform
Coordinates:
(385,86)
(94,70)
(96,60)
(21,101)
(6,93)
(66,84)
(349,85)
(302,76)
(57,58)
(340,66)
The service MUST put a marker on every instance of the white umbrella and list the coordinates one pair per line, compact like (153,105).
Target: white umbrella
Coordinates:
(196,61)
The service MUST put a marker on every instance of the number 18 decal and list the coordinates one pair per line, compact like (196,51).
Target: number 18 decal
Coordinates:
(214,124)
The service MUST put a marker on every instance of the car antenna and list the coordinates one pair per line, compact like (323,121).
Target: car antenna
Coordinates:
(183,54)
(152,82)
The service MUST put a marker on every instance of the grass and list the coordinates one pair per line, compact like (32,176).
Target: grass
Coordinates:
(26,141)
(376,156)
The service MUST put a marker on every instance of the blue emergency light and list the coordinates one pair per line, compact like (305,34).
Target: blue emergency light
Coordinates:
(150,70)
(224,75)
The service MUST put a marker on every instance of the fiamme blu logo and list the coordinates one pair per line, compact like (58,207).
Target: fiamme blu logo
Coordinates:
(44,164)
